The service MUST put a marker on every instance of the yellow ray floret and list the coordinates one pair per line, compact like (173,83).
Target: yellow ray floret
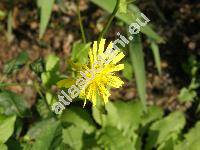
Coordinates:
(105,78)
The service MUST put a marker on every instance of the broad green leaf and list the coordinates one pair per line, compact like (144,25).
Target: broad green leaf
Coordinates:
(192,139)
(6,127)
(123,6)
(46,133)
(35,130)
(164,129)
(3,146)
(153,113)
(129,114)
(79,117)
(169,143)
(16,63)
(80,52)
(45,14)
(122,115)
(13,104)
(137,59)
(156,54)
(132,14)
(52,63)
(72,136)
(128,71)
(113,139)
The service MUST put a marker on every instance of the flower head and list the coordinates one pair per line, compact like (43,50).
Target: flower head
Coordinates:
(102,72)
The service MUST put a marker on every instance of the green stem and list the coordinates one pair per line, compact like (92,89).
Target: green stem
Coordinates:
(105,30)
(2,85)
(38,89)
(81,24)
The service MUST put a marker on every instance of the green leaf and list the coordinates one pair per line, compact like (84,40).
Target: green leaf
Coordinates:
(6,127)
(78,117)
(164,129)
(13,104)
(122,115)
(192,139)
(186,95)
(65,83)
(16,63)
(130,17)
(113,139)
(42,109)
(52,63)
(72,136)
(156,54)
(37,66)
(80,52)
(153,113)
(45,14)
(50,78)
(46,132)
(123,6)
(3,146)
(137,59)
(128,71)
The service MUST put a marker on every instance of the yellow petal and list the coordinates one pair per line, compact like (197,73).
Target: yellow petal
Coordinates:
(118,58)
(103,92)
(101,46)
(114,81)
(117,68)
(95,50)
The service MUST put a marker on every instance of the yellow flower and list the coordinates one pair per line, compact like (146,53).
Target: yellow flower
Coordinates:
(104,77)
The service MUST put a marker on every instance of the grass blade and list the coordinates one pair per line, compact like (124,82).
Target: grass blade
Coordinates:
(137,59)
(156,55)
(46,9)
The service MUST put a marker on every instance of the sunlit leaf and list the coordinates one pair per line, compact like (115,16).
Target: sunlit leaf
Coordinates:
(123,6)
(6,127)
(52,63)
(186,95)
(3,146)
(191,140)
